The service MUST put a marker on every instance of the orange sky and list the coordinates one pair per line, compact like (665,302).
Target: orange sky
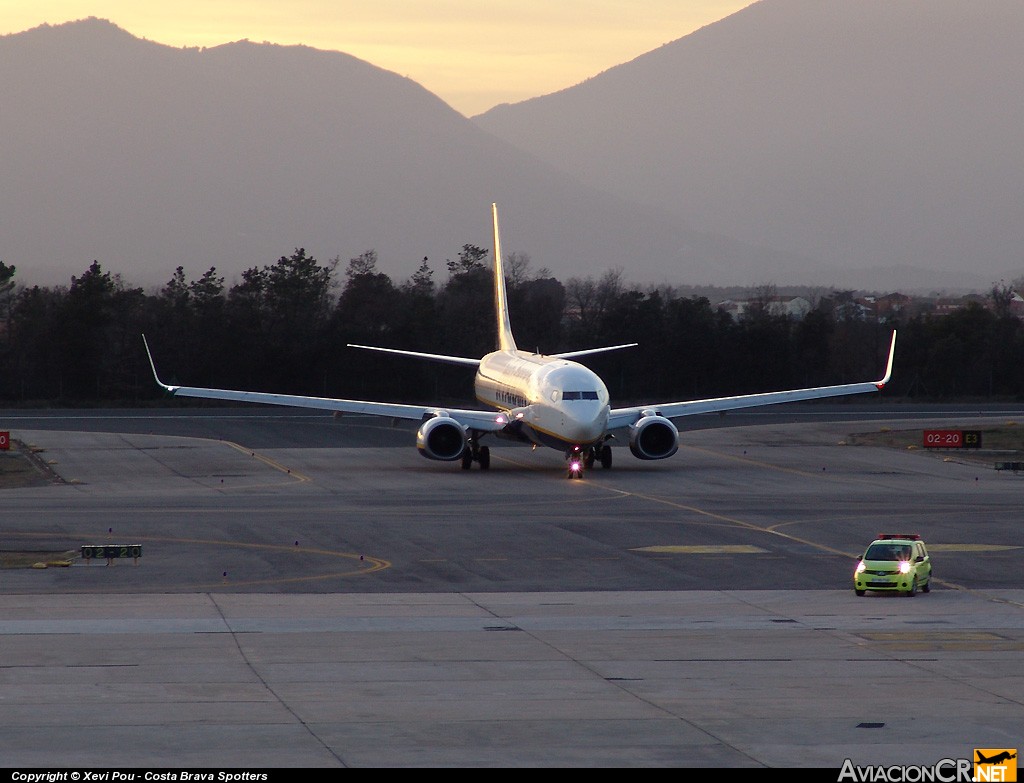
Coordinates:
(473,54)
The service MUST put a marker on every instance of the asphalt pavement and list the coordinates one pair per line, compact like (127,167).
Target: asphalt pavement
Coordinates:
(312,593)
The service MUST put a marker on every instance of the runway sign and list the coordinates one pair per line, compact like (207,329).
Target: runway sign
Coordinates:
(111,551)
(952,439)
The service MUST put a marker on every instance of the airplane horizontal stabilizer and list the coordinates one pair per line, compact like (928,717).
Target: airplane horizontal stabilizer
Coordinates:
(587,351)
(436,357)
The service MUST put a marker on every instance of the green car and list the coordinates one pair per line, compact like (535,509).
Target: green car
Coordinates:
(894,562)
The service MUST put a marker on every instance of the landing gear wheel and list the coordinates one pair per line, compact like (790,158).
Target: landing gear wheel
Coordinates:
(606,456)
(484,458)
(467,459)
(588,461)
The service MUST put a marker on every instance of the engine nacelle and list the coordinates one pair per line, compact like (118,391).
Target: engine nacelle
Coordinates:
(653,437)
(441,437)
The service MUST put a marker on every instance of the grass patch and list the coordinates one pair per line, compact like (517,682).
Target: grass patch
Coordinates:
(36,558)
(21,466)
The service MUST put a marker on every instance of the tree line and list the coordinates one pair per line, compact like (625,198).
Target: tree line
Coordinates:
(285,327)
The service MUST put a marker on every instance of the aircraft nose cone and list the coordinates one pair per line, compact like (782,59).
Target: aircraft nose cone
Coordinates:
(586,426)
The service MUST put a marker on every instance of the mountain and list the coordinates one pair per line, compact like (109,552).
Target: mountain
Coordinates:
(145,157)
(878,138)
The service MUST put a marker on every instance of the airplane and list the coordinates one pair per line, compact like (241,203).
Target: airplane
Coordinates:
(1004,756)
(533,398)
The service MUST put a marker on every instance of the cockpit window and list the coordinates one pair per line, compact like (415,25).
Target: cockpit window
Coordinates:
(579,395)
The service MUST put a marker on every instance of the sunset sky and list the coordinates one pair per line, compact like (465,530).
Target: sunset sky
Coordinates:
(472,53)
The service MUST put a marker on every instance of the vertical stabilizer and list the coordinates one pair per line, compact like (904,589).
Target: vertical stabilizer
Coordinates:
(505,339)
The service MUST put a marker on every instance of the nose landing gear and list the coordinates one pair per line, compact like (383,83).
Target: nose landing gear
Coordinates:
(579,459)
(575,462)
(575,468)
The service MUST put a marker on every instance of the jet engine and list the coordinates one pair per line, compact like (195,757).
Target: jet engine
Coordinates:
(441,437)
(653,437)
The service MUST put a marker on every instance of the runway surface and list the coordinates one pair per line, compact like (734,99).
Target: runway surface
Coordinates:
(312,592)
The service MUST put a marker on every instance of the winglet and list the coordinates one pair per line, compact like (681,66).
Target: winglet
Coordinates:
(888,367)
(505,339)
(152,366)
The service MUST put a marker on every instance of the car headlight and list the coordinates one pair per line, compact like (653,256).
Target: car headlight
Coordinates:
(904,567)
(860,567)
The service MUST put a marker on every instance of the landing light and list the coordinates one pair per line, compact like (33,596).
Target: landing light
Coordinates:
(500,419)
(575,466)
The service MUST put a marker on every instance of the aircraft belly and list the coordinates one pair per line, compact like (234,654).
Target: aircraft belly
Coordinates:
(542,438)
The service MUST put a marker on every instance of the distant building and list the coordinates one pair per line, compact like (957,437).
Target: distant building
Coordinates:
(1017,306)
(891,305)
(946,305)
(795,307)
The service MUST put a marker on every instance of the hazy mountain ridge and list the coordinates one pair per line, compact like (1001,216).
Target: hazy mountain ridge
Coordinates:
(146,157)
(877,134)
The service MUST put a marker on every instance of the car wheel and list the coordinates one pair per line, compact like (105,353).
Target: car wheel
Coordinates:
(858,592)
(927,586)
(913,588)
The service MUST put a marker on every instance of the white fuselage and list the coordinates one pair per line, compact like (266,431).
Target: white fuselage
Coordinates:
(559,402)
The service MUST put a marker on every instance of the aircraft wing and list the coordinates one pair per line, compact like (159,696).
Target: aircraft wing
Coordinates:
(622,417)
(484,421)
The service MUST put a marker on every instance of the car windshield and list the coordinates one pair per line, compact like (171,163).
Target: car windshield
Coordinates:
(888,552)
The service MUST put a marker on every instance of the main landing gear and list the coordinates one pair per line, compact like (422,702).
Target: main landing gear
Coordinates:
(579,459)
(474,452)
